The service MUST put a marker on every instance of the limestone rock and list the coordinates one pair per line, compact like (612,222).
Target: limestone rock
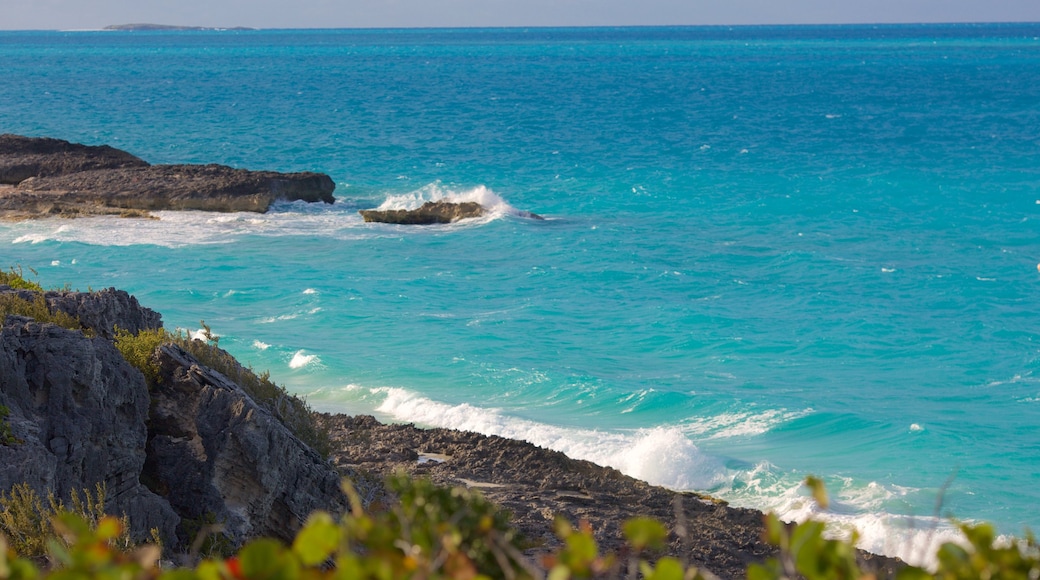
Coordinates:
(84,415)
(79,410)
(178,187)
(104,310)
(25,157)
(431,212)
(212,450)
(58,178)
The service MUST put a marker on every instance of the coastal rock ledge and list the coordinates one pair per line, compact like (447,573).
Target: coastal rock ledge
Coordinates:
(42,177)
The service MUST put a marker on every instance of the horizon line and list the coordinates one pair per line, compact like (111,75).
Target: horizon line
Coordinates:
(240,28)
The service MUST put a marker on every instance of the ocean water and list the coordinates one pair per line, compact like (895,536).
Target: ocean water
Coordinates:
(769,251)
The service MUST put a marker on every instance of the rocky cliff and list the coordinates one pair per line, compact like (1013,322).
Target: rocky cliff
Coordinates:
(47,177)
(196,447)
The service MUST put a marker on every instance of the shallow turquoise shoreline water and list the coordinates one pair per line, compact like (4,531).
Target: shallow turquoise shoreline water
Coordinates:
(770,251)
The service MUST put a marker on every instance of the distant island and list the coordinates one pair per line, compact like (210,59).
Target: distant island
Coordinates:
(169,27)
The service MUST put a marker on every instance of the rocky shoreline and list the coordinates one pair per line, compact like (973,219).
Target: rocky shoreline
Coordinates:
(536,484)
(191,444)
(198,447)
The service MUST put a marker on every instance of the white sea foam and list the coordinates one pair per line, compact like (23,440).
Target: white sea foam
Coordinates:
(863,507)
(661,455)
(202,335)
(301,359)
(310,291)
(273,319)
(667,456)
(494,204)
(177,229)
(259,345)
(741,424)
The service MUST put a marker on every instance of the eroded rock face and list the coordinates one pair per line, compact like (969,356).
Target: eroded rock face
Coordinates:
(50,177)
(195,447)
(104,310)
(431,212)
(212,450)
(25,157)
(79,410)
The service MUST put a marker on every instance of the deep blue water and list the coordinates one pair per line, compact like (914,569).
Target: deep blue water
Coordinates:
(769,252)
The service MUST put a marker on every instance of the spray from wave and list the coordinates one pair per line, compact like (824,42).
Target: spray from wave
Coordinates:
(495,206)
(176,229)
(666,456)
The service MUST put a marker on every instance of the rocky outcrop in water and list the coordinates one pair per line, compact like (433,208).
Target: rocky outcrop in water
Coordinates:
(431,212)
(49,177)
(196,447)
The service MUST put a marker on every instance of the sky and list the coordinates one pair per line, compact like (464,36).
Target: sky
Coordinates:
(92,14)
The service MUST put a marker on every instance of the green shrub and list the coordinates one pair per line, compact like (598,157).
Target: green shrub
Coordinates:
(206,537)
(436,533)
(37,309)
(6,435)
(13,277)
(139,350)
(28,522)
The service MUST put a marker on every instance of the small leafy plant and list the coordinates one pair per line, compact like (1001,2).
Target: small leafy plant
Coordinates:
(6,435)
(28,521)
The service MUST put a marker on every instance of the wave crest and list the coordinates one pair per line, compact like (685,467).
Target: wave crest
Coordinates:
(492,202)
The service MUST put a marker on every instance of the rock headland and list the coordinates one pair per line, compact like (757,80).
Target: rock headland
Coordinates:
(51,177)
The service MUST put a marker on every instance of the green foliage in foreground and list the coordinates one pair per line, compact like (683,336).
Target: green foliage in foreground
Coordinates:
(293,412)
(435,533)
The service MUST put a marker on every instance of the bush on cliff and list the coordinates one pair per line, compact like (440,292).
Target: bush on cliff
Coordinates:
(6,435)
(31,524)
(37,309)
(14,277)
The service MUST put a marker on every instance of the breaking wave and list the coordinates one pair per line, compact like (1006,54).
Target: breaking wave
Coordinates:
(667,456)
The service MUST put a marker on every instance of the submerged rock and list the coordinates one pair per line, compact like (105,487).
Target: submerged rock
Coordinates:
(431,212)
(57,178)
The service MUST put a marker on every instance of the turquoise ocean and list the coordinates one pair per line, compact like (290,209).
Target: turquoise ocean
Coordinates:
(768,251)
